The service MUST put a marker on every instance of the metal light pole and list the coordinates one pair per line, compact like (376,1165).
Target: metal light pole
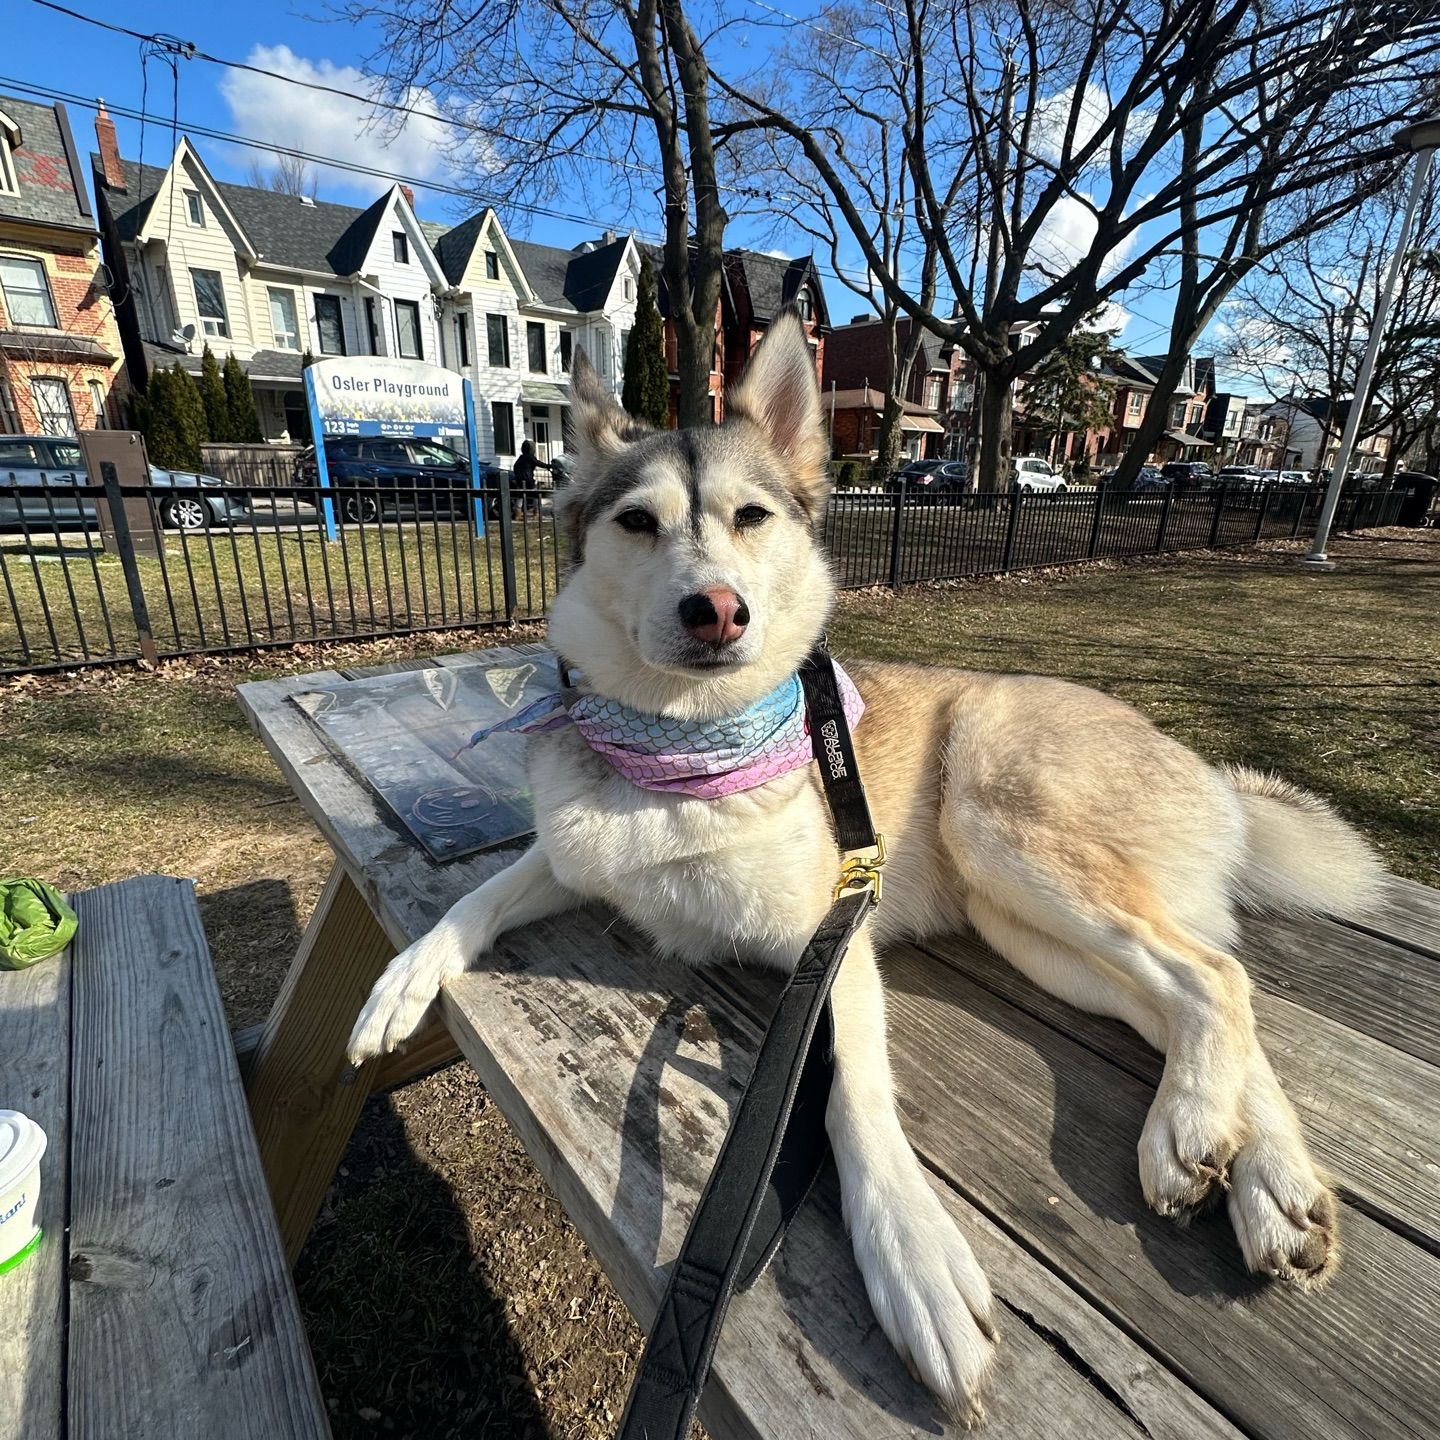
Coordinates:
(1422,139)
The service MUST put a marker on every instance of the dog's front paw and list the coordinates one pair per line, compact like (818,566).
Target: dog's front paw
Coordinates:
(1185,1150)
(404,994)
(930,1296)
(1284,1214)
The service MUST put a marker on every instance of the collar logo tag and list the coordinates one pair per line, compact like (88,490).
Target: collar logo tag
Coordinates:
(834,756)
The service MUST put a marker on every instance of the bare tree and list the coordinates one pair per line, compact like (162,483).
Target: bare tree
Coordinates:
(1062,155)
(1299,322)
(288,175)
(610,99)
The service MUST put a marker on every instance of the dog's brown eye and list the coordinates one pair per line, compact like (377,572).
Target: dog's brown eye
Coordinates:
(637,522)
(749,516)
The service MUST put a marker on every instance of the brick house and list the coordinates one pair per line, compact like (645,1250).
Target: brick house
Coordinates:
(856,377)
(59,346)
(754,288)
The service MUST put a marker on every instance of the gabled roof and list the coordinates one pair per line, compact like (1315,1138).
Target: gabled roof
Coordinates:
(591,273)
(772,281)
(545,268)
(348,253)
(454,247)
(47,168)
(1154,364)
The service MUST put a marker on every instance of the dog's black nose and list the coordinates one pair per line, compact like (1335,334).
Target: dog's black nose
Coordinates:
(717,616)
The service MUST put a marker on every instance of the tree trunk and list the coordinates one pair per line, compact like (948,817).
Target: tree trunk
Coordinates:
(902,366)
(997,416)
(1155,421)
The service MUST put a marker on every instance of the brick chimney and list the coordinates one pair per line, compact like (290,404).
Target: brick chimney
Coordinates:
(409,195)
(109,149)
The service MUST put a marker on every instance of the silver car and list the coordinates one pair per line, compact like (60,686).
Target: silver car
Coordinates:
(31,464)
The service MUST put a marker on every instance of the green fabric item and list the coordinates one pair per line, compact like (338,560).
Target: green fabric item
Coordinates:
(35,922)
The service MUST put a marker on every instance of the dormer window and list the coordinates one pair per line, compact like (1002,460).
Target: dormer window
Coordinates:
(402,247)
(805,305)
(9,144)
(194,208)
(629,288)
(492,265)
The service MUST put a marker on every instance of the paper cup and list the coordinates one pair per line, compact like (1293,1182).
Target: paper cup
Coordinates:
(22,1143)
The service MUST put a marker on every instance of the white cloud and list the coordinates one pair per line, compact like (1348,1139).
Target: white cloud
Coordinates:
(266,108)
(1066,236)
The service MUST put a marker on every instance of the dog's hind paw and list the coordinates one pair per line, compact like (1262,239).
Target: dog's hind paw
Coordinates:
(403,996)
(929,1294)
(1284,1214)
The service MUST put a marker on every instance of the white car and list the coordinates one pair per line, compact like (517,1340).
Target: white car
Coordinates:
(1033,473)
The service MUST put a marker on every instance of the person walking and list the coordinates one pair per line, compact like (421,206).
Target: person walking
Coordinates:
(523,492)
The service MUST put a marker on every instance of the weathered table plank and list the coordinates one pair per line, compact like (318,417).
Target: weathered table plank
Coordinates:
(183,1319)
(1371,985)
(619,1072)
(1372,1114)
(1042,1131)
(35,1078)
(1408,915)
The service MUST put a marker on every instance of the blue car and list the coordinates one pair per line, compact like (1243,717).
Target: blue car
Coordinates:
(32,464)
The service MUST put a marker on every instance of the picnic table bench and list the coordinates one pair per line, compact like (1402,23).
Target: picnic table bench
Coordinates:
(619,1071)
(159,1303)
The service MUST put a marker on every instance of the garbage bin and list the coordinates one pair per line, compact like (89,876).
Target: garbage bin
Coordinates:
(1420,492)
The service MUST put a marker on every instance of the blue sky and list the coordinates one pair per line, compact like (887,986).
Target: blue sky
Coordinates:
(49,49)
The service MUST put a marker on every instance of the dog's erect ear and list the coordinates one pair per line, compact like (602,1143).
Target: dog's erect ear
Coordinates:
(780,394)
(599,428)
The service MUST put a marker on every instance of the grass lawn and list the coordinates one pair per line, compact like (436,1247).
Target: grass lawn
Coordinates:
(445,1292)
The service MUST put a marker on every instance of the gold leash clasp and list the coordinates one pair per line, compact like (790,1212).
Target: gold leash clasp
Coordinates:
(860,870)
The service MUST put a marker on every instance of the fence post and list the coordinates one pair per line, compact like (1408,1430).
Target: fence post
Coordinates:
(1013,524)
(897,533)
(1265,491)
(1164,517)
(125,548)
(507,549)
(1302,499)
(1215,521)
(1095,520)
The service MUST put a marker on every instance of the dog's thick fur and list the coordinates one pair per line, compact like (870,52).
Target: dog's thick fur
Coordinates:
(1098,856)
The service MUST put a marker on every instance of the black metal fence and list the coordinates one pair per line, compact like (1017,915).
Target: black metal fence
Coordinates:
(93,574)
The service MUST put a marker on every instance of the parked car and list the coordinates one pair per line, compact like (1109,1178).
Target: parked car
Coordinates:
(1034,473)
(1188,473)
(377,474)
(918,475)
(37,462)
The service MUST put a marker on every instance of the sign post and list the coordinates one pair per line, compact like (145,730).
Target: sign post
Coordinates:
(398,399)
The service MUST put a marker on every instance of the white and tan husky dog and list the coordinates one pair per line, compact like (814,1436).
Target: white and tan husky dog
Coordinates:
(696,587)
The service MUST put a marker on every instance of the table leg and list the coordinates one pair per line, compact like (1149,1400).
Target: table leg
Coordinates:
(302,1111)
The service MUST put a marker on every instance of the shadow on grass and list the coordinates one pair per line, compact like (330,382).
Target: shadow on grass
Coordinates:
(407,1336)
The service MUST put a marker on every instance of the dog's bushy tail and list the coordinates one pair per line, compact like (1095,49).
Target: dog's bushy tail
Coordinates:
(1300,856)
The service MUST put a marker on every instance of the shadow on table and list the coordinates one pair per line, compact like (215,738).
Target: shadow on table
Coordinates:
(408,1337)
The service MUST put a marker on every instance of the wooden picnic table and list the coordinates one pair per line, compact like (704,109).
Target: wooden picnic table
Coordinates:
(619,1070)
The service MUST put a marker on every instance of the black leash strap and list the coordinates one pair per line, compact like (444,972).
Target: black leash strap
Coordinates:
(777,1142)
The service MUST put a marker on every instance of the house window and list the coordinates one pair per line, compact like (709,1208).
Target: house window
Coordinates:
(8,184)
(624,349)
(462,339)
(935,392)
(283,325)
(401,243)
(194,208)
(492,265)
(1134,404)
(210,301)
(53,410)
(502,412)
(1177,415)
(497,336)
(535,346)
(329,324)
(26,291)
(372,327)
(629,288)
(97,402)
(407,329)
(567,350)
(805,305)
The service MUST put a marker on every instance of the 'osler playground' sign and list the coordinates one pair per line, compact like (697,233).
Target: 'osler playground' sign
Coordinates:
(377,395)
(398,399)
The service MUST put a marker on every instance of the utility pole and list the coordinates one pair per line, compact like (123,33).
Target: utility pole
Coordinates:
(1422,140)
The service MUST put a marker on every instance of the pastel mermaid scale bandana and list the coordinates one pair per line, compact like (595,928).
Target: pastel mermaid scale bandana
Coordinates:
(703,758)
